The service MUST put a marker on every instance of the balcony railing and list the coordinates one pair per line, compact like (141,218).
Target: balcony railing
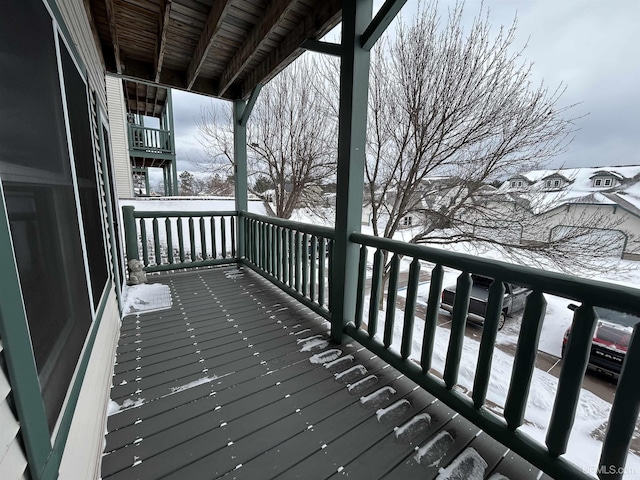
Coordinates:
(297,258)
(149,140)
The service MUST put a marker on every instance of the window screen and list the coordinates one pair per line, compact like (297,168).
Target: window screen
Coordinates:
(92,214)
(39,195)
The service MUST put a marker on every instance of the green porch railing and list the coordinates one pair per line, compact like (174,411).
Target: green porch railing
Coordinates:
(297,258)
(294,256)
(504,427)
(174,240)
(146,139)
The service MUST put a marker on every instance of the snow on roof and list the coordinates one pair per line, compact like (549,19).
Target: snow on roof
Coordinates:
(607,173)
(579,187)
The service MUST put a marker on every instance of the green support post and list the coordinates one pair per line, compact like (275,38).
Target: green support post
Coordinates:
(354,82)
(18,353)
(240,167)
(146,181)
(130,233)
(170,127)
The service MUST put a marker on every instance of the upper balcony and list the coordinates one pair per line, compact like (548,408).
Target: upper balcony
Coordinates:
(149,142)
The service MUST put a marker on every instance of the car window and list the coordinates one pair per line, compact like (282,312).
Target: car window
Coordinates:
(613,316)
(612,334)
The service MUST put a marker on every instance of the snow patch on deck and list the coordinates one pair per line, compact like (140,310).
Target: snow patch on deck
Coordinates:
(351,374)
(314,344)
(326,356)
(469,465)
(378,397)
(432,452)
(114,407)
(393,411)
(145,298)
(413,426)
(361,385)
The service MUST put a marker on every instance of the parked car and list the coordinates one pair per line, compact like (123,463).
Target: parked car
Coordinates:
(610,340)
(514,299)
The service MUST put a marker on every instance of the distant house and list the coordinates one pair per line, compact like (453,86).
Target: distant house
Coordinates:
(586,193)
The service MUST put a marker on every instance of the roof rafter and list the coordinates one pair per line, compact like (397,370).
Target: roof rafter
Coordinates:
(209,32)
(111,19)
(161,43)
(325,16)
(259,34)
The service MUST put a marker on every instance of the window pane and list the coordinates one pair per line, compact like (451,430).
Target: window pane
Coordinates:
(92,214)
(39,194)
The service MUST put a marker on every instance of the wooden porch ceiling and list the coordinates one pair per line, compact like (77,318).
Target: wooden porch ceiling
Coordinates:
(217,48)
(144,98)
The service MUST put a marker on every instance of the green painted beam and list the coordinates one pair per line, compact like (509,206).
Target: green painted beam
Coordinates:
(354,82)
(240,167)
(18,353)
(319,46)
(379,24)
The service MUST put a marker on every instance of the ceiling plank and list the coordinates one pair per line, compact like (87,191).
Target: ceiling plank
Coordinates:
(211,28)
(165,12)
(325,16)
(277,10)
(111,19)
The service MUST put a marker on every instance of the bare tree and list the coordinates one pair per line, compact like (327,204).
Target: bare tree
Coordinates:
(291,141)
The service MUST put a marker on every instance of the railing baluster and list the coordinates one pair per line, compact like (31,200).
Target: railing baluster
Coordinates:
(297,261)
(305,263)
(156,242)
(214,249)
(376,292)
(203,239)
(313,270)
(291,258)
(278,247)
(181,239)
(626,406)
(143,238)
(410,308)
(574,366)
(487,342)
(431,317)
(232,226)
(167,224)
(458,321)
(321,271)
(267,247)
(285,255)
(192,239)
(329,273)
(223,236)
(525,359)
(392,295)
(362,282)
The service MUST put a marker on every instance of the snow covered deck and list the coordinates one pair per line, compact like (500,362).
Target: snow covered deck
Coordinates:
(239,379)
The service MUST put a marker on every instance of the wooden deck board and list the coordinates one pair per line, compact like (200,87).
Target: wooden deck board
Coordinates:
(222,384)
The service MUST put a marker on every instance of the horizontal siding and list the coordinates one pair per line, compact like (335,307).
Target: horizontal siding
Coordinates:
(13,462)
(119,140)
(83,450)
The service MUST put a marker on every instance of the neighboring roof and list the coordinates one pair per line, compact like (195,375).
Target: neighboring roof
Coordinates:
(221,48)
(521,177)
(557,175)
(579,188)
(601,173)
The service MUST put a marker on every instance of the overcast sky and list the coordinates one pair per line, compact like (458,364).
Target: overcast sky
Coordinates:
(590,45)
